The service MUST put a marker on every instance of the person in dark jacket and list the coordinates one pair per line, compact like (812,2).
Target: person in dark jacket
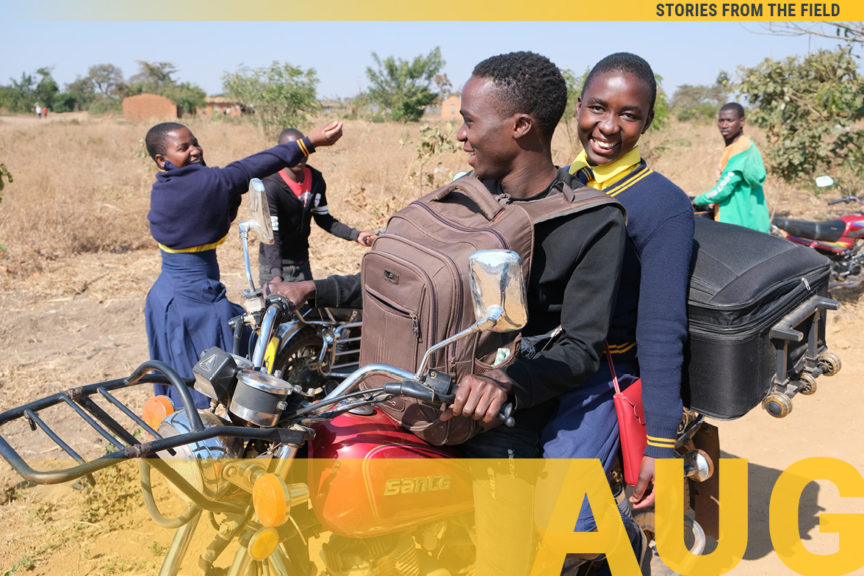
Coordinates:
(510,107)
(297,194)
(192,206)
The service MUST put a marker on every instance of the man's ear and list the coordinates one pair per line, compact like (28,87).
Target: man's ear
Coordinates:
(160,160)
(522,125)
(743,122)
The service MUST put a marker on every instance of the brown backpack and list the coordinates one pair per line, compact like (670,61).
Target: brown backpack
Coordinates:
(416,290)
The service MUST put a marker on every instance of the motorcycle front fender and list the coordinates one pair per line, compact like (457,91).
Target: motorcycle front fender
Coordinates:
(283,335)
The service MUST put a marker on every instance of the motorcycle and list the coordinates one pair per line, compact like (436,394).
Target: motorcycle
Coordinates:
(237,461)
(839,239)
(277,463)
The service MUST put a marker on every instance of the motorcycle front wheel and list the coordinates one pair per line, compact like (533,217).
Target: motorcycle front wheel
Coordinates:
(298,360)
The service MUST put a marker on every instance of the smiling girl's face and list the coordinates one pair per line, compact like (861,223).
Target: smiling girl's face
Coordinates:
(613,112)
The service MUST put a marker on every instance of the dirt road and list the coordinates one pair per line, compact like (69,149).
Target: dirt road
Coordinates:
(84,322)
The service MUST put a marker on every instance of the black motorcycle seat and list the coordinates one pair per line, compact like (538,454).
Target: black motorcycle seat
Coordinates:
(829,231)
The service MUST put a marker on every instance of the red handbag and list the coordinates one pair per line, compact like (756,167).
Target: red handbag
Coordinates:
(631,424)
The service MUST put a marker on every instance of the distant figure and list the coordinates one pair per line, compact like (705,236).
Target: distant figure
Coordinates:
(296,194)
(38,111)
(45,112)
(738,196)
(192,206)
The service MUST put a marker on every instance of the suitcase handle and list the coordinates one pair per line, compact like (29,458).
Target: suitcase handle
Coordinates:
(476,192)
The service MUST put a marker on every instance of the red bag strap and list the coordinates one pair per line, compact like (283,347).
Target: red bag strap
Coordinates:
(612,368)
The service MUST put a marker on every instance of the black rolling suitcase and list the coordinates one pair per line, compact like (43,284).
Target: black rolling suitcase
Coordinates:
(756,312)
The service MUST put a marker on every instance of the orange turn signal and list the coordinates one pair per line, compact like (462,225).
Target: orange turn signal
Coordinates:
(263,543)
(271,500)
(156,409)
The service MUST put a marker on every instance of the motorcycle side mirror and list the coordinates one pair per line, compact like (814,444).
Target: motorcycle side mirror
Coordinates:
(259,223)
(824,181)
(498,290)
(259,212)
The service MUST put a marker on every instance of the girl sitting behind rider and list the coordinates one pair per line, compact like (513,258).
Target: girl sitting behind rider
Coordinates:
(615,108)
(191,210)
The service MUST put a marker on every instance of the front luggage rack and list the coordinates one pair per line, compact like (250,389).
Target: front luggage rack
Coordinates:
(125,444)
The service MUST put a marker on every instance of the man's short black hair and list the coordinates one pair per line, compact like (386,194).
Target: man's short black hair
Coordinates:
(629,63)
(733,106)
(530,84)
(155,139)
(293,132)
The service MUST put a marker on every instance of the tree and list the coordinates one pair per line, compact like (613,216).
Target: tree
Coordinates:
(700,102)
(46,89)
(79,95)
(811,109)
(106,80)
(153,76)
(850,32)
(279,97)
(19,96)
(402,88)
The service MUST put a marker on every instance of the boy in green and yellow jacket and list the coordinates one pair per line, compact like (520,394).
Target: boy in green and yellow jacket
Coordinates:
(738,195)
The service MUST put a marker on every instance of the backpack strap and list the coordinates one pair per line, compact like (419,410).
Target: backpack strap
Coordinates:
(563,201)
(475,190)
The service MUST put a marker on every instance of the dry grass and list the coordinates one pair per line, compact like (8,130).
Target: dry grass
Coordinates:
(81,183)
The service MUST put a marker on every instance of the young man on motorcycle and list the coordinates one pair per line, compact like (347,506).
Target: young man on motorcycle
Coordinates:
(510,107)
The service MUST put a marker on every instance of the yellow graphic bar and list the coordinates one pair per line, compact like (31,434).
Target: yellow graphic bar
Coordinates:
(442,11)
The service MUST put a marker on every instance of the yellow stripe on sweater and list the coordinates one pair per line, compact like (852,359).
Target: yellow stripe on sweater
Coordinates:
(192,249)
(612,192)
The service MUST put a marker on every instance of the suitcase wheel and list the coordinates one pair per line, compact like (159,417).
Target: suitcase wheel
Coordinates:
(829,363)
(777,404)
(806,384)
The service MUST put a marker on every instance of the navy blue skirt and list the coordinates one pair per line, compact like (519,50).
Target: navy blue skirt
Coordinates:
(187,312)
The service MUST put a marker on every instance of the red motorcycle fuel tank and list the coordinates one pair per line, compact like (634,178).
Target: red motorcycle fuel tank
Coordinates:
(368,477)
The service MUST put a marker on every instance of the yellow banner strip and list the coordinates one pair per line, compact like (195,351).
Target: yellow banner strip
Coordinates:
(446,10)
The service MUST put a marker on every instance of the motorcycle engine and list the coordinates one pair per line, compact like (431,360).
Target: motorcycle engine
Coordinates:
(200,463)
(378,556)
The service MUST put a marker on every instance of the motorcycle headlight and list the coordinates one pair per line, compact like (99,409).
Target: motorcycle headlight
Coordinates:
(259,398)
(200,463)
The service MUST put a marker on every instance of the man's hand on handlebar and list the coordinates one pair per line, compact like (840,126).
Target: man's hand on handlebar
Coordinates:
(296,292)
(480,396)
(366,238)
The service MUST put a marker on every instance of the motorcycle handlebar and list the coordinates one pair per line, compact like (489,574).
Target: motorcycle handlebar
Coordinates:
(845,200)
(413,389)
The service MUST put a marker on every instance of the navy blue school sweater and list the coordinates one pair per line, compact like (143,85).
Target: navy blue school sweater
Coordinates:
(651,309)
(194,206)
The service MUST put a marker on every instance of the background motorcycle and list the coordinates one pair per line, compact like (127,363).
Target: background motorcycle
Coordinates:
(840,239)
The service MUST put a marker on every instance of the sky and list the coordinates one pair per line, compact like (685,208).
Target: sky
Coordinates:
(681,52)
